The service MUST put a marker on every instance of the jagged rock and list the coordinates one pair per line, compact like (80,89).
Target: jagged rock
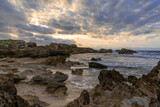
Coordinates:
(8,94)
(49,78)
(96,59)
(57,88)
(77,71)
(114,90)
(125,51)
(81,101)
(96,65)
(105,51)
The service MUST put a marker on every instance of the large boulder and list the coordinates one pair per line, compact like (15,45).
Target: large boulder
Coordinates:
(96,65)
(49,78)
(125,51)
(57,88)
(105,50)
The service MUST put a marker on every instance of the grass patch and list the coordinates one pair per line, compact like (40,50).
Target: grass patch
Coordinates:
(5,42)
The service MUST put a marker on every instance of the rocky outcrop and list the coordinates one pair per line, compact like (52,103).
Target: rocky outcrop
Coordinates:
(8,94)
(82,101)
(77,71)
(54,82)
(114,90)
(105,50)
(97,65)
(12,44)
(125,51)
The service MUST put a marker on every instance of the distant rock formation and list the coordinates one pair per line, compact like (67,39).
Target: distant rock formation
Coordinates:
(19,48)
(125,51)
(105,50)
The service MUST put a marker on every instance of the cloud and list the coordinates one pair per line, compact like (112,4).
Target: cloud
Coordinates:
(45,40)
(99,19)
(5,36)
(35,28)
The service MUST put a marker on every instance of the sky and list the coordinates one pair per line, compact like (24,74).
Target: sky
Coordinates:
(87,23)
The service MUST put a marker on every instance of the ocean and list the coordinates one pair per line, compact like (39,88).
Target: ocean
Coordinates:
(137,64)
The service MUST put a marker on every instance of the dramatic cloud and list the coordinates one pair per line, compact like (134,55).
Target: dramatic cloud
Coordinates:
(114,20)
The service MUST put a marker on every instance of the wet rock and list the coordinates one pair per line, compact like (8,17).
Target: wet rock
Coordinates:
(57,88)
(96,65)
(77,71)
(105,51)
(125,51)
(49,78)
(96,59)
(81,101)
(113,90)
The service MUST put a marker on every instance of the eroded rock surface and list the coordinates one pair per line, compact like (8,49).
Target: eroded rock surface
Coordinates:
(114,90)
(96,65)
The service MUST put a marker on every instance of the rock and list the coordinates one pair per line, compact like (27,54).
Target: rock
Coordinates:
(81,101)
(85,50)
(31,44)
(49,78)
(8,94)
(125,51)
(96,65)
(96,59)
(73,63)
(57,60)
(77,71)
(113,90)
(60,77)
(105,51)
(57,88)
(18,77)
(107,77)
(34,101)
(132,79)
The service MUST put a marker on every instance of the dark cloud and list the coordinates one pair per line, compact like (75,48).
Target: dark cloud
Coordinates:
(10,14)
(35,28)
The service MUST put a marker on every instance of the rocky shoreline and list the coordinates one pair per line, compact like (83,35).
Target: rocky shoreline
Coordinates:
(114,90)
(35,76)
